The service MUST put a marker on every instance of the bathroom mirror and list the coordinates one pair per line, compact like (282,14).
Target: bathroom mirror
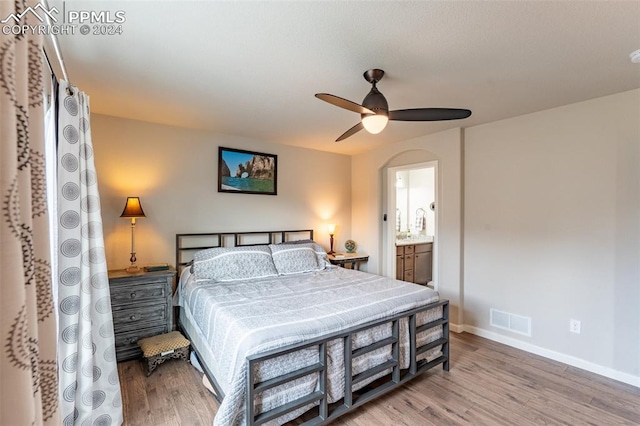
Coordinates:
(415,194)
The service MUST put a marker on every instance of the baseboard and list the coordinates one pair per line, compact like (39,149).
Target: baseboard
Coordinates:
(547,353)
(456,328)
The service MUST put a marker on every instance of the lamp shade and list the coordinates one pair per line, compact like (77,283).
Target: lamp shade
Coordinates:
(331,228)
(133,208)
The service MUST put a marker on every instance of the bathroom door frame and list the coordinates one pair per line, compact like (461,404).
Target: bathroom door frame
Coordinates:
(389,234)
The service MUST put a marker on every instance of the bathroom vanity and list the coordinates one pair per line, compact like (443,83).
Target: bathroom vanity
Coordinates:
(414,260)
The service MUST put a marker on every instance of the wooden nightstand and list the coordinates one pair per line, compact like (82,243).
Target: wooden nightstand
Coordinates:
(349,260)
(142,307)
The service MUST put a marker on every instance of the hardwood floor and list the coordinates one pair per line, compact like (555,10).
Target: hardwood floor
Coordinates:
(488,384)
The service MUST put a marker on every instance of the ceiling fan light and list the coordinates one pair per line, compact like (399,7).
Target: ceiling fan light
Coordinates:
(375,123)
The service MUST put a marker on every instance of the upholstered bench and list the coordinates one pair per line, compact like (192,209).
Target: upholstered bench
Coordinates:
(158,349)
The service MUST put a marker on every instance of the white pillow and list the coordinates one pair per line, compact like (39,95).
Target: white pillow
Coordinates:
(298,258)
(234,263)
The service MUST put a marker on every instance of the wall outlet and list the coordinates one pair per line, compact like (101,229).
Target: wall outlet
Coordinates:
(574,326)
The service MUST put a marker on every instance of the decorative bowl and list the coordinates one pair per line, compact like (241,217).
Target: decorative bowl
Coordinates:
(350,245)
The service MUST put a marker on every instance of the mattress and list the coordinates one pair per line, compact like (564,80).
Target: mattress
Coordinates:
(229,321)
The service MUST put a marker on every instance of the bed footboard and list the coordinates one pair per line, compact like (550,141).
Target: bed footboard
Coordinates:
(351,400)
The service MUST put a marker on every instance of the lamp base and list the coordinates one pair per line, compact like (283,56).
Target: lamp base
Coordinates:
(132,269)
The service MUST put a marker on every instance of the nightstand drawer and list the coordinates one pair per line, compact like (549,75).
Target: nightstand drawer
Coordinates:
(135,293)
(127,343)
(123,318)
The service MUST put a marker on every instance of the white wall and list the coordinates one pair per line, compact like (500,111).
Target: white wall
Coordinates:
(421,195)
(552,228)
(368,184)
(174,172)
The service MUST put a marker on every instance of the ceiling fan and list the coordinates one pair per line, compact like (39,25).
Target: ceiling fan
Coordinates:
(375,113)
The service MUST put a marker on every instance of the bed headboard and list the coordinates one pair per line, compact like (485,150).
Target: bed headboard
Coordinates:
(188,244)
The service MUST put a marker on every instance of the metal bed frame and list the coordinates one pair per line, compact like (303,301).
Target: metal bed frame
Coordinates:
(352,399)
(240,239)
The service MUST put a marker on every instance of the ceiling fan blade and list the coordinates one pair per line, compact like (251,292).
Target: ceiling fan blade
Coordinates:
(429,114)
(355,129)
(343,103)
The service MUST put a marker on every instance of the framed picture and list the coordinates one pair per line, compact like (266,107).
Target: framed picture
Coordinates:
(247,172)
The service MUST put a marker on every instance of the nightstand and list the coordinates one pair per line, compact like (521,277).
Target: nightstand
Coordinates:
(348,260)
(142,307)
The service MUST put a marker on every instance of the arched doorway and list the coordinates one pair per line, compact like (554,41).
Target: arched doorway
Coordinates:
(411,221)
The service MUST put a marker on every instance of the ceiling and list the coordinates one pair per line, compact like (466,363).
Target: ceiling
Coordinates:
(251,68)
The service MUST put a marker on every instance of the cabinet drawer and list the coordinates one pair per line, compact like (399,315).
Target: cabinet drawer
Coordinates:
(408,262)
(134,293)
(127,343)
(408,276)
(124,319)
(399,250)
(423,248)
(408,249)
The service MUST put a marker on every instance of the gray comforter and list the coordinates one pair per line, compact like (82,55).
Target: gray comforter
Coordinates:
(248,317)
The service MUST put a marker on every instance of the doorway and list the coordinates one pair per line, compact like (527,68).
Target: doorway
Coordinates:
(412,194)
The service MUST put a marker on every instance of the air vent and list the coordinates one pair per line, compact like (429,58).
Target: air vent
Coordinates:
(511,322)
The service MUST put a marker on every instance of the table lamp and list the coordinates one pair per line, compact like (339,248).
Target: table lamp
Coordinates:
(133,209)
(332,230)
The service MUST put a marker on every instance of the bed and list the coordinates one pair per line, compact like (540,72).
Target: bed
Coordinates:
(280,332)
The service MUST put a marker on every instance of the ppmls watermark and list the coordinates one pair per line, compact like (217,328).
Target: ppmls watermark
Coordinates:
(65,22)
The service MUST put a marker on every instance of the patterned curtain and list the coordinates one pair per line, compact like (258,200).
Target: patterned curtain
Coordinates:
(89,382)
(29,385)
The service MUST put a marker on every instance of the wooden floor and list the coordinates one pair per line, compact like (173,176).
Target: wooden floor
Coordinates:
(489,384)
